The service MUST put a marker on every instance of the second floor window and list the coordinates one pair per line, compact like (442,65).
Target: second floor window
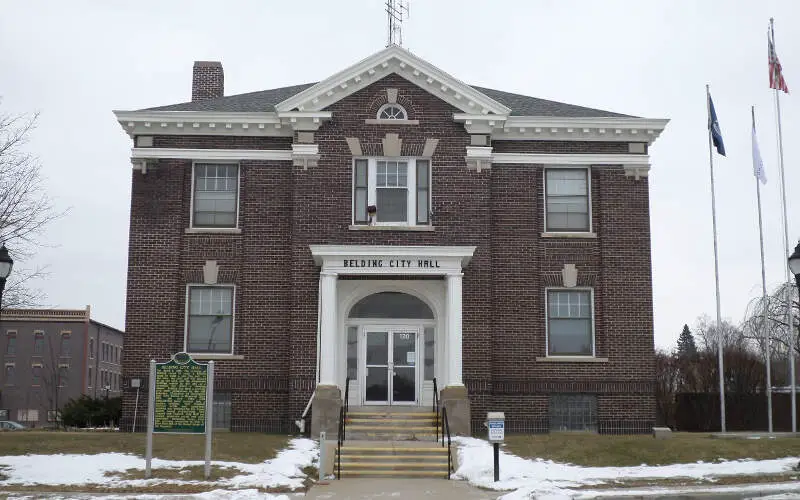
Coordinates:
(391,191)
(215,197)
(36,375)
(567,199)
(66,349)
(38,343)
(11,344)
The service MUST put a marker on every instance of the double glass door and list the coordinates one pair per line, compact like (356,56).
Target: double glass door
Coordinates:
(391,366)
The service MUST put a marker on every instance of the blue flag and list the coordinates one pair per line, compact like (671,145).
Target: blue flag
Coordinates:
(713,125)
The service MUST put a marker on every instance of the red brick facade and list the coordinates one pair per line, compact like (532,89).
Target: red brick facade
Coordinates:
(285,208)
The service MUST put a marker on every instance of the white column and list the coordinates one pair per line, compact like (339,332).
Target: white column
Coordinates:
(454,329)
(327,327)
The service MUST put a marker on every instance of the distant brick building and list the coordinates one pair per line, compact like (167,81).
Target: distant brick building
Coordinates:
(393,226)
(51,356)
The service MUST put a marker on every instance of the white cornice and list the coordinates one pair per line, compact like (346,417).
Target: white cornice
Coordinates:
(618,129)
(393,59)
(572,159)
(139,154)
(218,123)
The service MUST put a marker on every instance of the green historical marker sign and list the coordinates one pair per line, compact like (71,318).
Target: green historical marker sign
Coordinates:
(181,390)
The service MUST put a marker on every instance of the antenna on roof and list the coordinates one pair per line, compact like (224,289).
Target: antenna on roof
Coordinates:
(397,11)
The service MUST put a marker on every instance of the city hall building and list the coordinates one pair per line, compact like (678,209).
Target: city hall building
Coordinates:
(396,231)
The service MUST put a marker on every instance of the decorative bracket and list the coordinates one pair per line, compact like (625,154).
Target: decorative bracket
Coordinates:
(569,276)
(305,155)
(479,158)
(637,171)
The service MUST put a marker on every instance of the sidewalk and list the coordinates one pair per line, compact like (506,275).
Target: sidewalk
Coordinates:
(399,489)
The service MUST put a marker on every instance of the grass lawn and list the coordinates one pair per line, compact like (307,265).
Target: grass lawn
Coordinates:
(226,446)
(602,450)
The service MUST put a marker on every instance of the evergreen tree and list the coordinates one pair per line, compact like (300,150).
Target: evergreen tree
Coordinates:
(686,345)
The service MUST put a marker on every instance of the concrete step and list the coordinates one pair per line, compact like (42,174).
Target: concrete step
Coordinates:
(393,459)
(395,473)
(431,421)
(432,459)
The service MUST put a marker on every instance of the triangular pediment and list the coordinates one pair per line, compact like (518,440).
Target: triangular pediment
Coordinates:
(394,59)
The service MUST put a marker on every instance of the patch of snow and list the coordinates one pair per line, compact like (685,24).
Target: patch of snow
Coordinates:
(285,470)
(251,494)
(540,477)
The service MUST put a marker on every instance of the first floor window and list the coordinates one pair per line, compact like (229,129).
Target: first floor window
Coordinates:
(63,375)
(10,373)
(216,192)
(391,191)
(569,323)
(567,199)
(573,412)
(210,325)
(29,415)
(36,375)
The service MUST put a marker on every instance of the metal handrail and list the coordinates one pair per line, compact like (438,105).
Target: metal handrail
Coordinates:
(436,408)
(340,434)
(446,427)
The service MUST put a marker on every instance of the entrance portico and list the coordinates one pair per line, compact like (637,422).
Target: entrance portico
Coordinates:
(389,320)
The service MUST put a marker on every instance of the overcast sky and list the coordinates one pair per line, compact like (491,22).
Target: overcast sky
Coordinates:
(75,61)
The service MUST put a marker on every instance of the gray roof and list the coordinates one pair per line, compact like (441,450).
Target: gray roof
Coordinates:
(265,100)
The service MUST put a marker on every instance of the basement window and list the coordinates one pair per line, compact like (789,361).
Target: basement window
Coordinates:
(573,412)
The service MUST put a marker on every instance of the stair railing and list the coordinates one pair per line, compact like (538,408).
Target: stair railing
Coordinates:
(340,434)
(446,428)
(436,408)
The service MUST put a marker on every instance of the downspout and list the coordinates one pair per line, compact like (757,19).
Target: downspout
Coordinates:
(301,424)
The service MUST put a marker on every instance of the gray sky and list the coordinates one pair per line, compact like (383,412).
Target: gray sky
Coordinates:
(76,61)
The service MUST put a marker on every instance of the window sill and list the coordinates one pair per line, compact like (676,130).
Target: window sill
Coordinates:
(213,230)
(365,227)
(572,359)
(376,121)
(567,234)
(216,356)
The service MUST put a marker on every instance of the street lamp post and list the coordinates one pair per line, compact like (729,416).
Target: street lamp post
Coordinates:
(794,267)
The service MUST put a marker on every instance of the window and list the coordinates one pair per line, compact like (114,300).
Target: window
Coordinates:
(573,412)
(391,305)
(392,111)
(63,375)
(216,189)
(567,199)
(11,343)
(53,416)
(210,325)
(90,376)
(569,323)
(28,415)
(10,373)
(352,352)
(66,350)
(91,348)
(430,343)
(36,375)
(38,343)
(397,190)
(222,410)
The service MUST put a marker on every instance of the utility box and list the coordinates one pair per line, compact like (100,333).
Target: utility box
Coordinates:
(496,422)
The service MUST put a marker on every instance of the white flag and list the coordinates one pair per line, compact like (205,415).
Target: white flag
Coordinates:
(758,163)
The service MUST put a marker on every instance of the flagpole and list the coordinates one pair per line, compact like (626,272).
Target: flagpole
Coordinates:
(787,250)
(716,266)
(764,300)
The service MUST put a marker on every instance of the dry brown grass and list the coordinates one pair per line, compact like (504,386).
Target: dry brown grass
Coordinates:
(591,449)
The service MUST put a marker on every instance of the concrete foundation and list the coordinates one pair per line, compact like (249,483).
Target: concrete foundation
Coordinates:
(325,411)
(456,400)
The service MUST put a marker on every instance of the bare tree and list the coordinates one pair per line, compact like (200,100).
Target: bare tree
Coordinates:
(708,333)
(775,306)
(25,208)
(53,376)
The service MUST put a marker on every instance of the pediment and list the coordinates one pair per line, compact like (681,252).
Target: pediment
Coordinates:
(393,59)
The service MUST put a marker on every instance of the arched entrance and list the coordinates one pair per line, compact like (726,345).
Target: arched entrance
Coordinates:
(391,345)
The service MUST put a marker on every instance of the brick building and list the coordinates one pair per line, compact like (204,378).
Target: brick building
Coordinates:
(392,225)
(51,356)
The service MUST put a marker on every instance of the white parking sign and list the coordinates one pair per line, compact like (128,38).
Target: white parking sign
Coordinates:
(497,430)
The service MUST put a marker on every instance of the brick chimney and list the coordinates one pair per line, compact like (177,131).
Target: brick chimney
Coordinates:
(208,80)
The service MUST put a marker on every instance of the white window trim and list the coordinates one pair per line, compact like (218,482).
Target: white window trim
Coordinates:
(235,229)
(391,105)
(210,355)
(568,233)
(411,177)
(568,357)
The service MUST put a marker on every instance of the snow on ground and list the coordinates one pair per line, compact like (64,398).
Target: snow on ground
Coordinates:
(540,477)
(285,470)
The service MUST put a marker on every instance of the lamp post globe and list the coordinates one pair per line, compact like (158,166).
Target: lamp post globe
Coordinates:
(6,264)
(794,264)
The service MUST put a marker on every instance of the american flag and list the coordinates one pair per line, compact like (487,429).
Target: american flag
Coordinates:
(776,80)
